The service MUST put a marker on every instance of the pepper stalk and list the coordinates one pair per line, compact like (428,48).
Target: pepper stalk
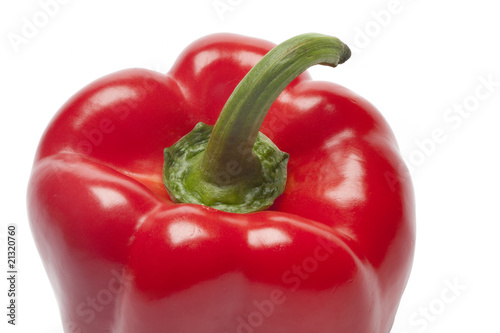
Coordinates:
(232,166)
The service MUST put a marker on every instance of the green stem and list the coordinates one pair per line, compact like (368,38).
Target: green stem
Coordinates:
(234,167)
(241,118)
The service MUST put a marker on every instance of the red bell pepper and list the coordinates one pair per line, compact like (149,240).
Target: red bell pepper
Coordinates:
(222,231)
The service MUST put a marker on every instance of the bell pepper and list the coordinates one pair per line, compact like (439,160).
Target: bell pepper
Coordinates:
(233,194)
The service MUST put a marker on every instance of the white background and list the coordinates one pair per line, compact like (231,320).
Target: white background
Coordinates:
(418,61)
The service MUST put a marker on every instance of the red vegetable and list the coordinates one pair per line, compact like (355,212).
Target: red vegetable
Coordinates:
(332,253)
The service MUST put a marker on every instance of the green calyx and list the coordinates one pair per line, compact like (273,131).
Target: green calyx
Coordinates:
(232,166)
(233,190)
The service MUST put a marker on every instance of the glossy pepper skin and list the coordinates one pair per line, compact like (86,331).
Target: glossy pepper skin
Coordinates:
(331,255)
